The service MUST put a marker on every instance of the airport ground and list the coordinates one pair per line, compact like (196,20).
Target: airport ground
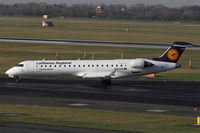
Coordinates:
(123,106)
(158,105)
(158,92)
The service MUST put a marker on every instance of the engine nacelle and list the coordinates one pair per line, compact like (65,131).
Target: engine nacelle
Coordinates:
(140,63)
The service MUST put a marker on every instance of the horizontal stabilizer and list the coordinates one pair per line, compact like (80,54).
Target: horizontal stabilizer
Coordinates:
(182,44)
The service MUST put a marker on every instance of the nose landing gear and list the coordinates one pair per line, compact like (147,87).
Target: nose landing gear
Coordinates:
(17,79)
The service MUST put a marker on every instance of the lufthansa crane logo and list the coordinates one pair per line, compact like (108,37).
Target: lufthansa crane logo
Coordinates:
(172,54)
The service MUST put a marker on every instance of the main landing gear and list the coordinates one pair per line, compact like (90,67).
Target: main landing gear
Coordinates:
(106,81)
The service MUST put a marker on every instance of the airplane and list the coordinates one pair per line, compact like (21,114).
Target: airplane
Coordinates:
(101,69)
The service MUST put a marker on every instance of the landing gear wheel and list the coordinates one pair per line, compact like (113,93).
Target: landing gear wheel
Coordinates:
(106,81)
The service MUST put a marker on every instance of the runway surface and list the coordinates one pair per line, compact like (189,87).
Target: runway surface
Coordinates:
(159,97)
(92,43)
(127,95)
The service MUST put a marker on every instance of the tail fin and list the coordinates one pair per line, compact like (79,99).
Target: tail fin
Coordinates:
(174,52)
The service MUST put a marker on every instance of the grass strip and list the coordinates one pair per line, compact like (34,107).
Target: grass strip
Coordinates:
(82,29)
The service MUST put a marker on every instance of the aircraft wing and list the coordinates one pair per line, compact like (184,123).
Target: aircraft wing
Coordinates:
(97,74)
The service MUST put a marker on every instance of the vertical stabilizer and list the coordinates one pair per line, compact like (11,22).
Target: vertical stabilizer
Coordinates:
(174,52)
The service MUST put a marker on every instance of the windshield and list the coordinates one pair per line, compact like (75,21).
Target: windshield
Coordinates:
(19,65)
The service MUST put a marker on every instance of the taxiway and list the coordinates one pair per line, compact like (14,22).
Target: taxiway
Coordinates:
(92,43)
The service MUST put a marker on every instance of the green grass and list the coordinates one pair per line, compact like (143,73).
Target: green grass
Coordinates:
(98,119)
(13,53)
(181,74)
(99,30)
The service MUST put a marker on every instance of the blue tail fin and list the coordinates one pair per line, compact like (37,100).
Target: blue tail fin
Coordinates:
(174,52)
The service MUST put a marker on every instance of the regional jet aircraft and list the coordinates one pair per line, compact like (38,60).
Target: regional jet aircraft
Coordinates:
(102,69)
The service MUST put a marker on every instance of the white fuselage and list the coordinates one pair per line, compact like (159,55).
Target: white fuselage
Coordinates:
(88,68)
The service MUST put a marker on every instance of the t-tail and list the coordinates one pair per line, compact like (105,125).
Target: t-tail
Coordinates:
(174,52)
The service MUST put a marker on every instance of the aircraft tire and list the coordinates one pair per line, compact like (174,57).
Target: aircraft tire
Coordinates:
(106,82)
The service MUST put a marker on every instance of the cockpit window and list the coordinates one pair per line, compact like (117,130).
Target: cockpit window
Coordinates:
(19,65)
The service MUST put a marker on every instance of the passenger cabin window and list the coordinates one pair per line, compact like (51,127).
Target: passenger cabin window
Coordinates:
(20,65)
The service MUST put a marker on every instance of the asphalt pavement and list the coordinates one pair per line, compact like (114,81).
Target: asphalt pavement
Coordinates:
(12,127)
(92,43)
(148,96)
(178,98)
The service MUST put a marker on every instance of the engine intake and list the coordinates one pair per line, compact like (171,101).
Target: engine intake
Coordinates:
(140,63)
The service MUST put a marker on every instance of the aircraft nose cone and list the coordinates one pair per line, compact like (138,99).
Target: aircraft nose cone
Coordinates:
(7,72)
(10,73)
